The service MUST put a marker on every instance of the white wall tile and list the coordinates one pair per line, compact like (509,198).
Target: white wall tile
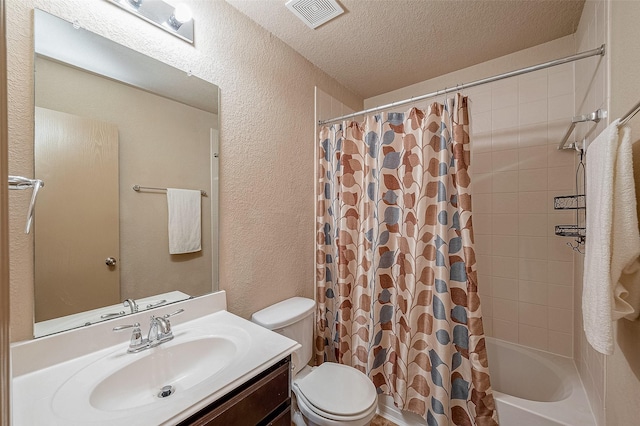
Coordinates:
(482,223)
(556,129)
(532,292)
(532,247)
(481,122)
(533,202)
(480,100)
(560,80)
(504,138)
(482,243)
(533,157)
(505,181)
(505,160)
(482,183)
(558,249)
(533,180)
(533,89)
(559,158)
(505,203)
(562,178)
(504,224)
(481,163)
(560,296)
(560,273)
(534,337)
(560,343)
(532,314)
(532,270)
(561,107)
(481,202)
(504,94)
(533,135)
(504,309)
(505,330)
(560,320)
(504,267)
(504,245)
(506,288)
(534,225)
(533,112)
(505,118)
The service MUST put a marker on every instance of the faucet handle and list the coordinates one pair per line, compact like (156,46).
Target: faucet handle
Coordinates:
(137,342)
(124,327)
(179,311)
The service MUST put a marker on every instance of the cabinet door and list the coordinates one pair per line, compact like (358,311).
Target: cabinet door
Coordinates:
(263,400)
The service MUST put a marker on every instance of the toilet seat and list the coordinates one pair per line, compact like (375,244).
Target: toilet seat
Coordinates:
(313,418)
(337,392)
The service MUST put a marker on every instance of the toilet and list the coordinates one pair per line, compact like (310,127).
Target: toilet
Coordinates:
(328,395)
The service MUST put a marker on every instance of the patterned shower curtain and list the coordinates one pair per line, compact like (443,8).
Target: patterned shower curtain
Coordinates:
(396,269)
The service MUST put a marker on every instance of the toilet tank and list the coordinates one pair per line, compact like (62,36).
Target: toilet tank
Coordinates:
(292,318)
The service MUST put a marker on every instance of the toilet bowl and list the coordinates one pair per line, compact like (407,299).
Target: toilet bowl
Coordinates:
(335,394)
(330,394)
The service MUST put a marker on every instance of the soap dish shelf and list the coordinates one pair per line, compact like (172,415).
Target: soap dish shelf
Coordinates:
(571,231)
(569,202)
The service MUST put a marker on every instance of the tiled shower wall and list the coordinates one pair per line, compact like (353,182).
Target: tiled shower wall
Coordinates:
(525,271)
(591,94)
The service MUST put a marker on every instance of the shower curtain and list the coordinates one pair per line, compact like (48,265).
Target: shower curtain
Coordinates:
(396,269)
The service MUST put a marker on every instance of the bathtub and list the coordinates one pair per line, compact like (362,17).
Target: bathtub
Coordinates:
(535,388)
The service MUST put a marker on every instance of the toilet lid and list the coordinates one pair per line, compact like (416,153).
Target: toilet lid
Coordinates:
(338,389)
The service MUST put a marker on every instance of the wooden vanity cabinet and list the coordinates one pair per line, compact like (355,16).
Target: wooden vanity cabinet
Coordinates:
(263,400)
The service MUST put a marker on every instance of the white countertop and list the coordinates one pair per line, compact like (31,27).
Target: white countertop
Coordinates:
(43,366)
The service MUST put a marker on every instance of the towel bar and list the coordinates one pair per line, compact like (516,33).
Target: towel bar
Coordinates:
(595,116)
(139,188)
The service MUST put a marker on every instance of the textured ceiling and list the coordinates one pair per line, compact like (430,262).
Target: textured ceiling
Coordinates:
(382,45)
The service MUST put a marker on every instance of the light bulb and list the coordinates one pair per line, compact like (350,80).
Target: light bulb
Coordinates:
(182,13)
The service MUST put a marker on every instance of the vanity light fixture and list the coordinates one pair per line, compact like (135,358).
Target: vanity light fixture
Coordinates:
(181,15)
(135,3)
(176,20)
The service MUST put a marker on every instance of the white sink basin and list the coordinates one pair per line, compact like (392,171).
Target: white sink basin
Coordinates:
(86,377)
(121,382)
(180,367)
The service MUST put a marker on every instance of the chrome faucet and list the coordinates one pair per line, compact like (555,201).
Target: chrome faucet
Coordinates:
(137,343)
(159,332)
(130,303)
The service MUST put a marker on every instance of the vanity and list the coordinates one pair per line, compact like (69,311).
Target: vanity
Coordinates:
(218,369)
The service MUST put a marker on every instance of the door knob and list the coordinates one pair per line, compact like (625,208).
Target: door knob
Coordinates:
(110,261)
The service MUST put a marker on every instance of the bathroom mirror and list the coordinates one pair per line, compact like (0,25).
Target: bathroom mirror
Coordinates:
(108,119)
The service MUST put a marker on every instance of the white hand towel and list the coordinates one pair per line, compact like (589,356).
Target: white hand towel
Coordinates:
(613,243)
(184,220)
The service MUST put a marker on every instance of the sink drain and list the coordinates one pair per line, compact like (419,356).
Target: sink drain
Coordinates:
(166,391)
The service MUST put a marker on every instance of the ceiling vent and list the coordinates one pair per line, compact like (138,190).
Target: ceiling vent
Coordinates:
(315,12)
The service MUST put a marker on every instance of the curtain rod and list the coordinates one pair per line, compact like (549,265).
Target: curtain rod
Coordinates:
(593,52)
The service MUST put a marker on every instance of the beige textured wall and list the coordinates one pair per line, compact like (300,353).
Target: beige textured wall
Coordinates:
(623,367)
(267,123)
